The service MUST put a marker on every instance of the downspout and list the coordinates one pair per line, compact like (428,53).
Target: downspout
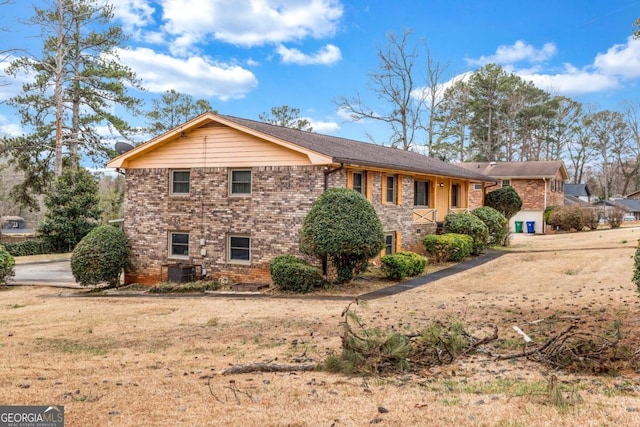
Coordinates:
(544,208)
(326,187)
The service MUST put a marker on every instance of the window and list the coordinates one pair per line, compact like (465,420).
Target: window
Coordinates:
(455,195)
(506,183)
(180,182)
(421,193)
(477,187)
(240,182)
(178,245)
(391,189)
(359,182)
(389,244)
(239,248)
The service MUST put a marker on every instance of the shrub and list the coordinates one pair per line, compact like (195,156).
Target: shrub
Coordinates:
(403,264)
(591,218)
(448,247)
(569,218)
(636,269)
(495,222)
(505,200)
(100,256)
(465,223)
(547,213)
(7,264)
(343,226)
(29,247)
(294,274)
(615,216)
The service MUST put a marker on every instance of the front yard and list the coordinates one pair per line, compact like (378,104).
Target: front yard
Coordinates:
(131,361)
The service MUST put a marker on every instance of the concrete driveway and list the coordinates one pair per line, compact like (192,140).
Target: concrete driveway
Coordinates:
(48,273)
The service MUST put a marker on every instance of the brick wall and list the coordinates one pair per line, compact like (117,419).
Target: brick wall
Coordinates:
(272,216)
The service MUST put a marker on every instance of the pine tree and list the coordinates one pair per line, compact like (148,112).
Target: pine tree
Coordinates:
(77,82)
(72,209)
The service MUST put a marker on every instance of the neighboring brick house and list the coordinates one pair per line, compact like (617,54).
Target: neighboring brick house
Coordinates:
(227,194)
(539,184)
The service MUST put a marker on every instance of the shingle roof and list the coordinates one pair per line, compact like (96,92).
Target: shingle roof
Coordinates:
(630,205)
(537,169)
(352,152)
(577,190)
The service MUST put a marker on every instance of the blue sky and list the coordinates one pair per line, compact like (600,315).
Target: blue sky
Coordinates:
(246,56)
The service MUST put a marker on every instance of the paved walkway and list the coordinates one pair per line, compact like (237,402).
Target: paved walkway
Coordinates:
(432,277)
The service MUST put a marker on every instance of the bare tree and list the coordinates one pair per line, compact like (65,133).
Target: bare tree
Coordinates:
(394,84)
(433,100)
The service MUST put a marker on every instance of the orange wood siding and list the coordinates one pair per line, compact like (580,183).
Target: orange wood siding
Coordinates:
(350,179)
(383,188)
(399,189)
(224,147)
(369,190)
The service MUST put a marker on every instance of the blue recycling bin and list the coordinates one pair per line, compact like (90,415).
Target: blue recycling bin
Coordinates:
(531,226)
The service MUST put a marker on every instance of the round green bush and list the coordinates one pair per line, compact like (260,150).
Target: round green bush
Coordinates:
(505,200)
(292,274)
(448,247)
(471,225)
(343,226)
(7,265)
(403,264)
(100,256)
(495,222)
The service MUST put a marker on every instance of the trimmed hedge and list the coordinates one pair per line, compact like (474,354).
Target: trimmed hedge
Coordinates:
(292,274)
(403,264)
(636,269)
(29,247)
(100,256)
(471,225)
(495,222)
(7,264)
(448,247)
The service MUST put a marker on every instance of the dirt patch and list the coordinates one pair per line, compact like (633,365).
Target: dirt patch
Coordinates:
(157,361)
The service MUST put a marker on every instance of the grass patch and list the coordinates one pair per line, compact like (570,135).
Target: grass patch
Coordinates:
(13,306)
(64,345)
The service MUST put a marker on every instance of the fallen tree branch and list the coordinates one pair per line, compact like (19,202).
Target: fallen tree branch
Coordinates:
(268,367)
(537,349)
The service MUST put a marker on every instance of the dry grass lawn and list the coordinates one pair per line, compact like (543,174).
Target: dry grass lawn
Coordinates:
(156,361)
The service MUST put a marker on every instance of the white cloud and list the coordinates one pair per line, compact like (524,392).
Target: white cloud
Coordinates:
(518,52)
(572,82)
(196,76)
(620,60)
(7,128)
(323,127)
(133,13)
(327,55)
(249,22)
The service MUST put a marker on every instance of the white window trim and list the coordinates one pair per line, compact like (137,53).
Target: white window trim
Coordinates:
(170,245)
(231,193)
(238,261)
(173,171)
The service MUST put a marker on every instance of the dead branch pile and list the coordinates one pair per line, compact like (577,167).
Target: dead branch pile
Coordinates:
(576,351)
(375,351)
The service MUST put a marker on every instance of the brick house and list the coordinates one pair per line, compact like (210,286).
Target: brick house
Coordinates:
(540,184)
(226,195)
